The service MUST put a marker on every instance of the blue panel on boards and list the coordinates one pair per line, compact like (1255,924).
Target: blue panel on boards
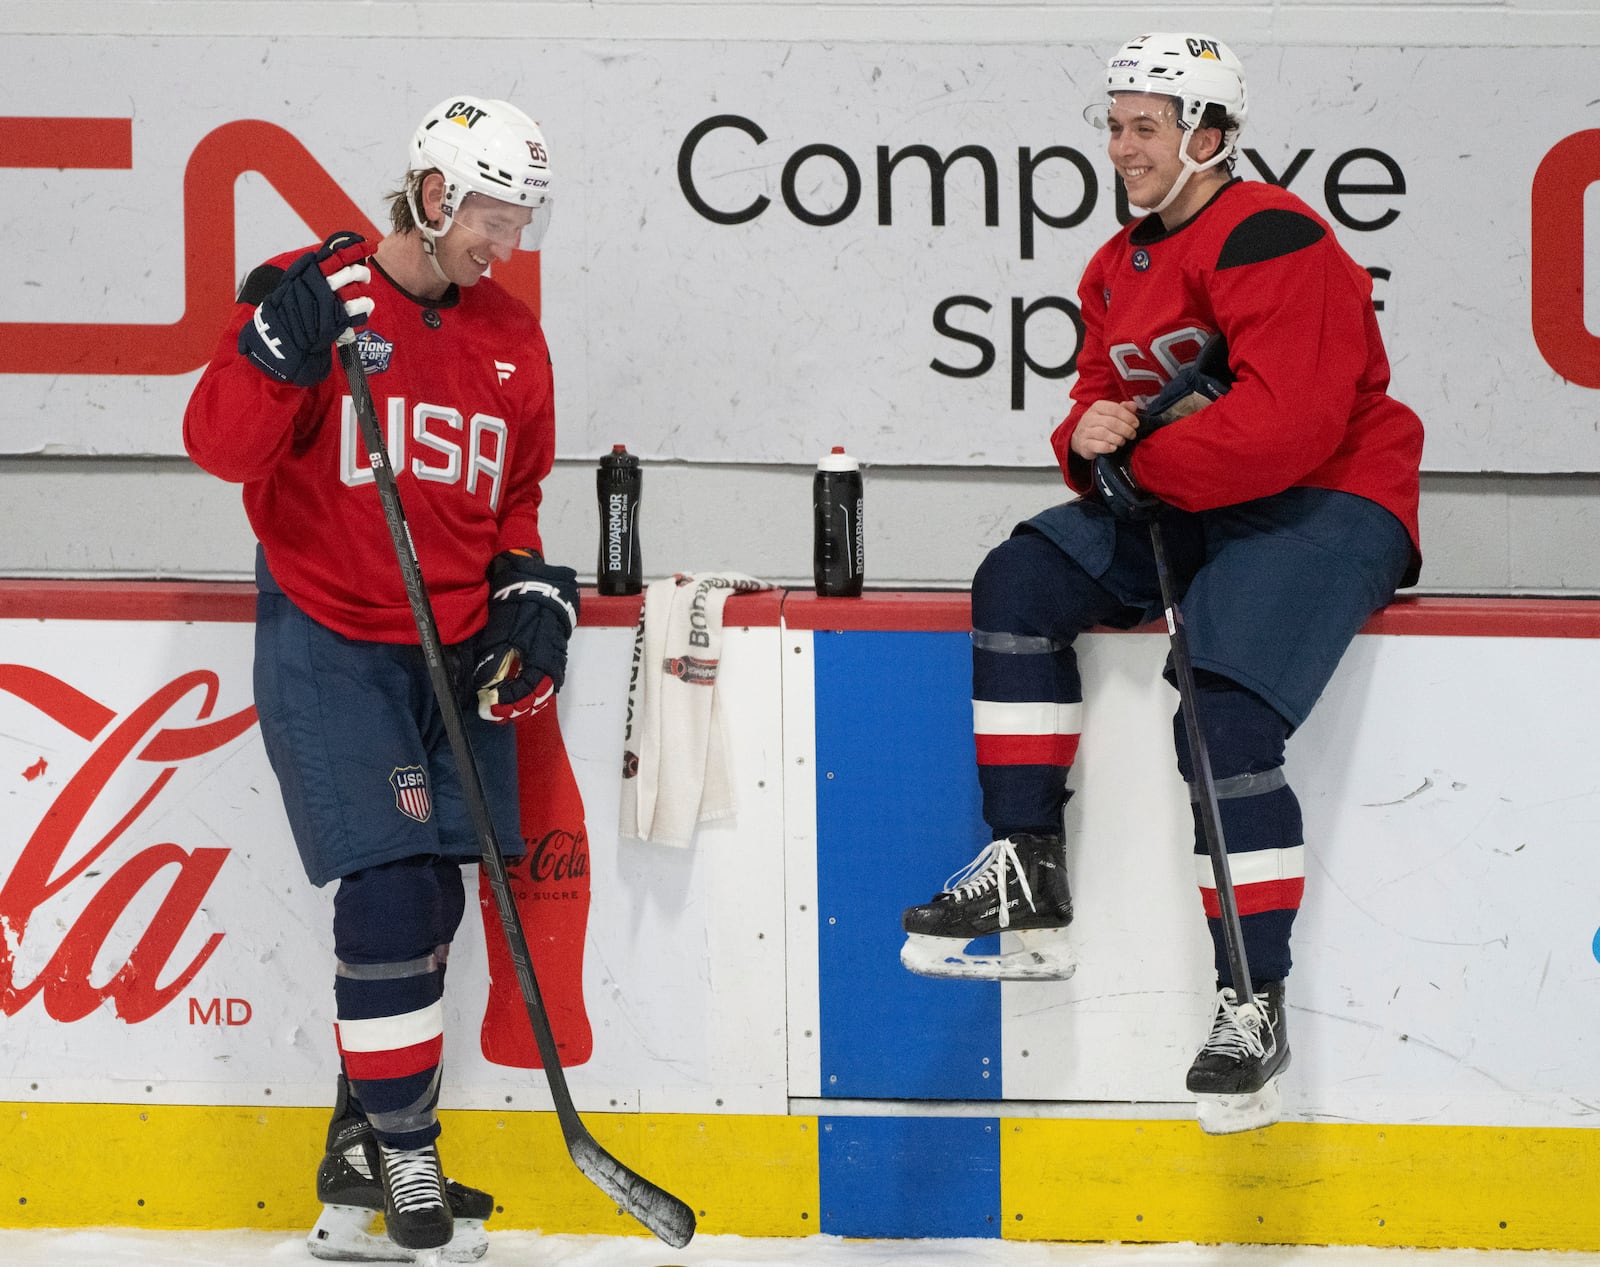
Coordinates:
(909,1176)
(897,813)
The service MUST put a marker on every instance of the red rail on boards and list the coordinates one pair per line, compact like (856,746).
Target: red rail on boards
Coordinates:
(926,610)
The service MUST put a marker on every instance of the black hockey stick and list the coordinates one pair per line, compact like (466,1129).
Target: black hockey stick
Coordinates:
(1205,784)
(660,1211)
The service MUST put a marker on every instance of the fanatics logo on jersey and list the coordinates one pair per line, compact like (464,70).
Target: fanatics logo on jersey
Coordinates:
(410,783)
(375,351)
(505,369)
(1141,260)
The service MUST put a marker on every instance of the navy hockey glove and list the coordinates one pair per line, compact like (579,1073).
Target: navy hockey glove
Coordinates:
(1191,389)
(521,657)
(300,311)
(1205,379)
(1119,491)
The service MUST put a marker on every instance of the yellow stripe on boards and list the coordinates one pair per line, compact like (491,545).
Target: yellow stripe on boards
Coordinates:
(180,1166)
(1301,1183)
(158,1166)
(185,1166)
(742,1175)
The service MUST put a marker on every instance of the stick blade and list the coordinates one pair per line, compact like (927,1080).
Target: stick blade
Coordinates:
(660,1211)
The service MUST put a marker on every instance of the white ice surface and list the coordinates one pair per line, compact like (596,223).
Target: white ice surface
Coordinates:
(523,1249)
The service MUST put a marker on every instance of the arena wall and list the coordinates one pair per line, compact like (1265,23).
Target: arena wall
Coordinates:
(208,135)
(739,1027)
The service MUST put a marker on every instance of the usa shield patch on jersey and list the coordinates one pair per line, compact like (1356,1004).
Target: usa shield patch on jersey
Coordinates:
(411,797)
(375,351)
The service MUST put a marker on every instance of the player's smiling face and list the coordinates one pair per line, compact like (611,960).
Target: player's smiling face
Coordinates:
(465,256)
(1144,145)
(482,232)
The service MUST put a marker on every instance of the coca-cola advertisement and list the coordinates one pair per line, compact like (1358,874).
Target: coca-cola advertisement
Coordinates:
(152,903)
(551,886)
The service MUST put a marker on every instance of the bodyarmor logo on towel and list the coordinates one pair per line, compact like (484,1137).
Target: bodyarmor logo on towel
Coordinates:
(410,783)
(375,351)
(688,668)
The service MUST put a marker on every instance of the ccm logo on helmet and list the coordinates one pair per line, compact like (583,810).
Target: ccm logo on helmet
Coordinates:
(464,114)
(1203,48)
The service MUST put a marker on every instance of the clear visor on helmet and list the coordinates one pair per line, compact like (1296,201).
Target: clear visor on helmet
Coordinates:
(507,225)
(1136,110)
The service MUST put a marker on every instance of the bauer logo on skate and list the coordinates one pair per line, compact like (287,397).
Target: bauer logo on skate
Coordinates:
(67,871)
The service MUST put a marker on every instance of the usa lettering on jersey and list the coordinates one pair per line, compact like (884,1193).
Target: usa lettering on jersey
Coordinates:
(444,448)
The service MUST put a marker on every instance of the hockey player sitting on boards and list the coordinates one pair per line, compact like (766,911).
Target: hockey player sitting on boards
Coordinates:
(347,710)
(1285,482)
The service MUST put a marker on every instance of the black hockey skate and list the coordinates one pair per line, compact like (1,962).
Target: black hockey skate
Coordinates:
(416,1213)
(1016,886)
(350,1186)
(1234,1078)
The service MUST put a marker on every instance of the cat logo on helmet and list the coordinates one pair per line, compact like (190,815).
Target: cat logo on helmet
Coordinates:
(464,114)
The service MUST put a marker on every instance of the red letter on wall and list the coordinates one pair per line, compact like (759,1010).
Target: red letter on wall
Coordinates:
(1559,185)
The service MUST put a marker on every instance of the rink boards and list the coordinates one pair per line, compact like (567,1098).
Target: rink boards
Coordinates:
(756,1046)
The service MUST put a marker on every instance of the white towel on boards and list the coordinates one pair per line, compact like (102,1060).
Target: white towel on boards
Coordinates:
(674,761)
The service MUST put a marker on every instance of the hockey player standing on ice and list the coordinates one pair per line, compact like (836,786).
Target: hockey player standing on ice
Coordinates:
(1288,505)
(461,371)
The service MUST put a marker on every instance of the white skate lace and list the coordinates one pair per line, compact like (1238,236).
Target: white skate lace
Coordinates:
(414,1182)
(1237,1028)
(991,869)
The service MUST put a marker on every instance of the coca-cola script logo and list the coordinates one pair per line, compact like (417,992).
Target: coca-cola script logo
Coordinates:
(557,857)
(131,759)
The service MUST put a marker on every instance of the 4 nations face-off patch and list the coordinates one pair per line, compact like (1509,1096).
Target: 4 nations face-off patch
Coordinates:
(375,351)
(411,796)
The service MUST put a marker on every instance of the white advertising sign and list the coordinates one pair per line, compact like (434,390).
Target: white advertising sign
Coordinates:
(161,942)
(761,249)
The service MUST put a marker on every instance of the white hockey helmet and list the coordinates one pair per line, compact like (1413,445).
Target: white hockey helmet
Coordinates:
(1196,71)
(486,150)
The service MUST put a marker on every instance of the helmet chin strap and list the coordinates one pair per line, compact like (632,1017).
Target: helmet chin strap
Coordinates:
(428,249)
(430,236)
(1190,167)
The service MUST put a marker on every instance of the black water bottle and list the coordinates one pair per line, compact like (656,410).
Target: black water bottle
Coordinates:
(838,541)
(620,484)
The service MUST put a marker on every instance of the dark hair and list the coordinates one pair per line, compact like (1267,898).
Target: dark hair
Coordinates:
(401,218)
(1215,116)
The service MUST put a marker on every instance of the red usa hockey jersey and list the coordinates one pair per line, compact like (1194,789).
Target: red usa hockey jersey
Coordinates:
(463,390)
(1310,404)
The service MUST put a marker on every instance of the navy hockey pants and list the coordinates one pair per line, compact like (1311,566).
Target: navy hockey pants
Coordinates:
(1272,593)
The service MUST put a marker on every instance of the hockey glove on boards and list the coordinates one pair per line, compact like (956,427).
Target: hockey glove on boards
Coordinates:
(1191,389)
(521,656)
(301,310)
